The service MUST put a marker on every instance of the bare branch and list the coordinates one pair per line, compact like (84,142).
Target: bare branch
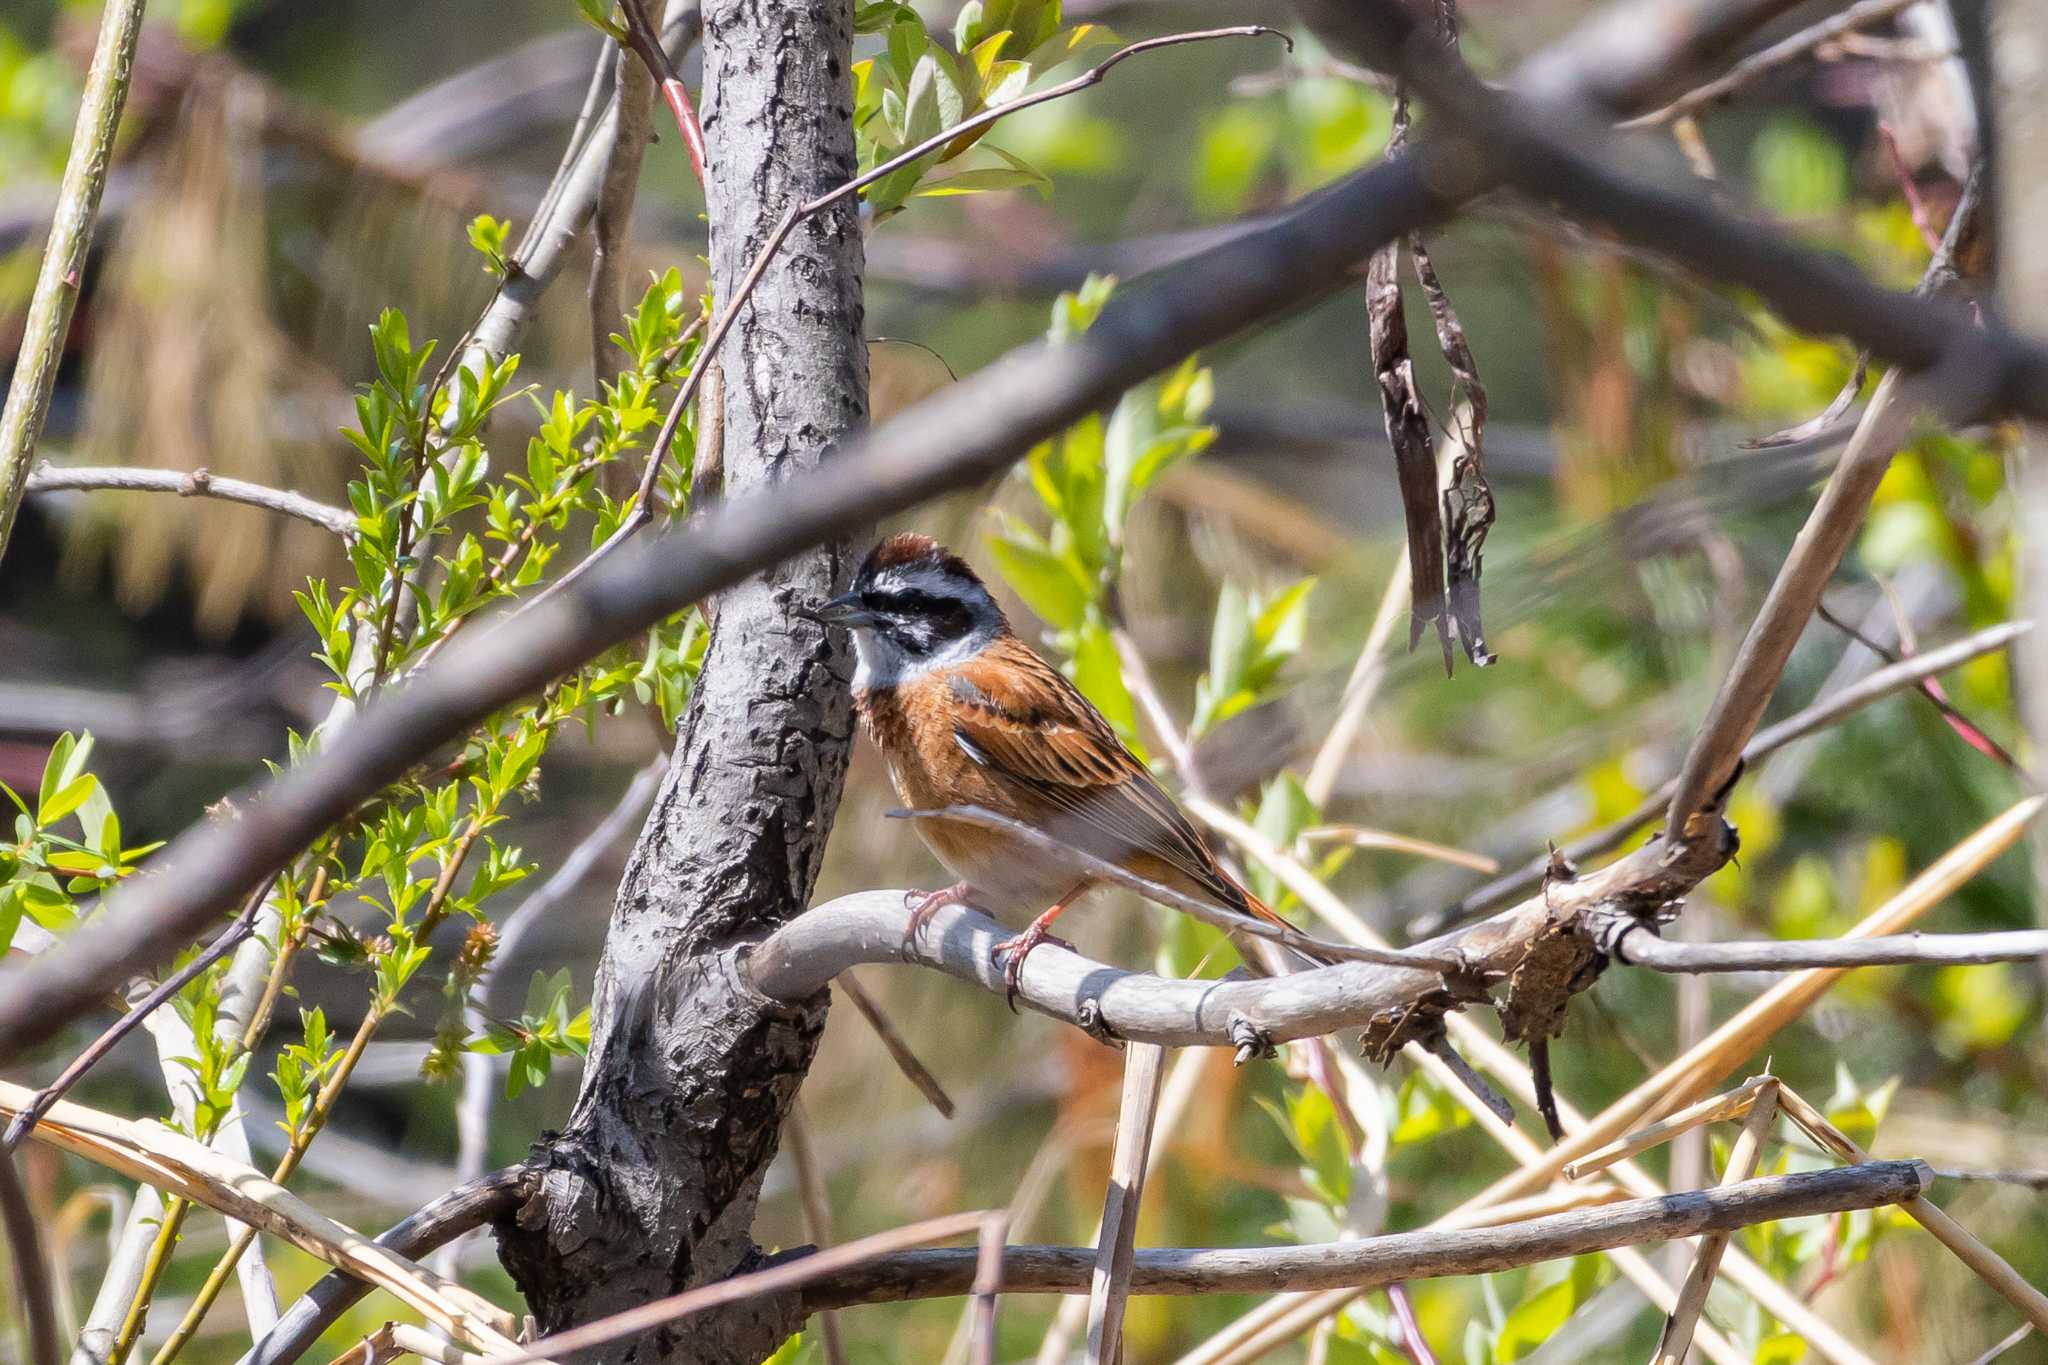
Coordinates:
(1641,947)
(618,186)
(914,1071)
(31,1270)
(198,483)
(1779,54)
(1109,1286)
(1372,1261)
(1393,1002)
(463,1208)
(789,1274)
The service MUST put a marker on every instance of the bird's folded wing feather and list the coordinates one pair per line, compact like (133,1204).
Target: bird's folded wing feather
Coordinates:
(1018,716)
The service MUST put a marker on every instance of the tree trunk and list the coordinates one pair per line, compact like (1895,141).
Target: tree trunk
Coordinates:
(652,1186)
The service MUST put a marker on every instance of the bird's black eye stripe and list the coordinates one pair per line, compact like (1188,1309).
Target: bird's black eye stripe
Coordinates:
(909,602)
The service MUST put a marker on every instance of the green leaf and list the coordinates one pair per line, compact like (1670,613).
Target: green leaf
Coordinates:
(55,769)
(67,799)
(1232,152)
(1799,169)
(10,916)
(985,180)
(1048,583)
(46,905)
(1098,672)
(490,237)
(1424,1110)
(1538,1316)
(1782,1348)
(1074,311)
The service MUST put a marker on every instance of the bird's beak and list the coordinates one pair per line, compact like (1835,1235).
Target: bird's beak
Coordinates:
(844,610)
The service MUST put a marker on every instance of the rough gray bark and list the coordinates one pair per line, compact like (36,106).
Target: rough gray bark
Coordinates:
(652,1186)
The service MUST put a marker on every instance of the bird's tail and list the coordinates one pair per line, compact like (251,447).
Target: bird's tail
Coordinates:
(1258,909)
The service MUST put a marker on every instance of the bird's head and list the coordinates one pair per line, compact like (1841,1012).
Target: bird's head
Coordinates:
(914,606)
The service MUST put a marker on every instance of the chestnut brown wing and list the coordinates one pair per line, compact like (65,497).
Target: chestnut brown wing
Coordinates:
(1018,716)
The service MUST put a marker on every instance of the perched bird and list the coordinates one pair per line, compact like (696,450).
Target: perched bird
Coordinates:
(967,714)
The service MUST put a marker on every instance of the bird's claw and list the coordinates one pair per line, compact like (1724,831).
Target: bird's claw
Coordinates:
(1010,955)
(922,905)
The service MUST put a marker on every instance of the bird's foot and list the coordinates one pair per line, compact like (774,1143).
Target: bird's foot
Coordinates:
(1011,952)
(922,905)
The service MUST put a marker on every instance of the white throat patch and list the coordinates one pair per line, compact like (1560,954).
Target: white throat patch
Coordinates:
(880,662)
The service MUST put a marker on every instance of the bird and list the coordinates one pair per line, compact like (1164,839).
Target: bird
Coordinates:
(965,713)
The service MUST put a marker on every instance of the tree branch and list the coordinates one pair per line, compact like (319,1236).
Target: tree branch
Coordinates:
(49,478)
(1372,1261)
(1637,945)
(1391,1003)
(1778,54)
(483,1200)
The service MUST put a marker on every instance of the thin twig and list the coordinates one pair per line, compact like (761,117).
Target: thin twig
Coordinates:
(1777,55)
(1359,689)
(240,929)
(817,1205)
(31,1270)
(1684,1320)
(60,278)
(1787,955)
(1358,836)
(1733,1104)
(914,1071)
(199,483)
(1988,1265)
(1968,730)
(646,45)
(988,1283)
(613,214)
(789,1274)
(1110,1283)
(1363,1262)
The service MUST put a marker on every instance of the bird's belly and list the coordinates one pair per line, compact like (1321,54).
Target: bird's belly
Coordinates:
(1016,878)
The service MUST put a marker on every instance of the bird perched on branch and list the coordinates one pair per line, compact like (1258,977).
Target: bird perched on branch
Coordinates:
(966,714)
